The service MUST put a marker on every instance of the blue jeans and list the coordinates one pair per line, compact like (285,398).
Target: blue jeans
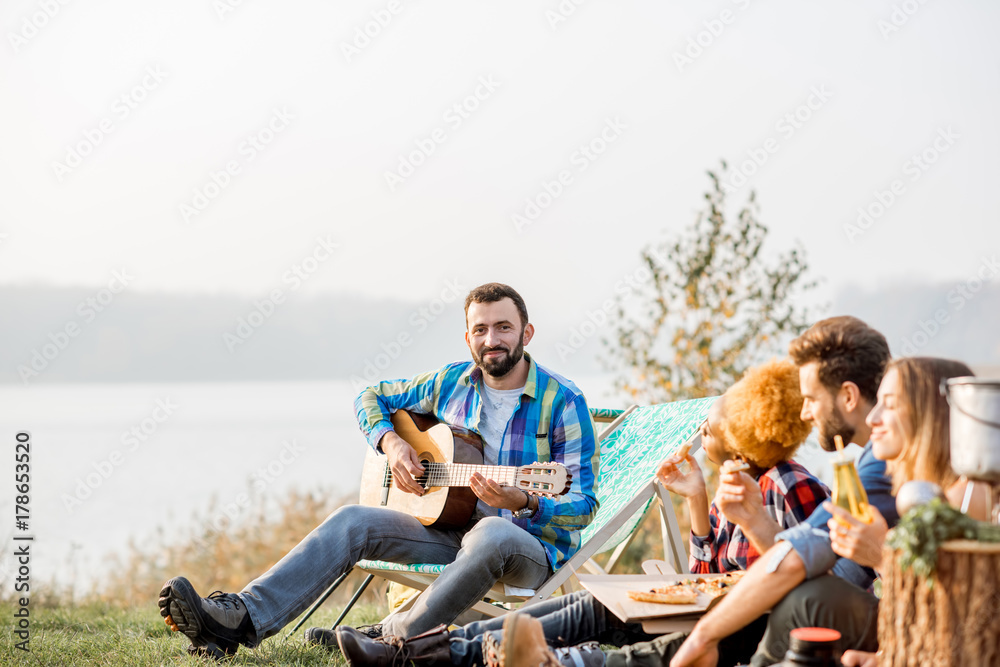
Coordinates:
(488,551)
(573,619)
(567,620)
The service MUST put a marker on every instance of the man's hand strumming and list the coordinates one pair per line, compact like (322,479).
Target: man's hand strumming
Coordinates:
(403,463)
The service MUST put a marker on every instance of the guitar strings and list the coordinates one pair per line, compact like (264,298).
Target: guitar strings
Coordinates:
(458,474)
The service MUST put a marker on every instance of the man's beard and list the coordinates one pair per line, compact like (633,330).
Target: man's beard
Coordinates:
(498,367)
(836,425)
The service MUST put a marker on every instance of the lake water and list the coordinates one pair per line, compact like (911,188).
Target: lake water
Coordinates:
(114,462)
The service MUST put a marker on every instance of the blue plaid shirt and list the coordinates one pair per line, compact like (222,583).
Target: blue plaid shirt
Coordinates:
(551,423)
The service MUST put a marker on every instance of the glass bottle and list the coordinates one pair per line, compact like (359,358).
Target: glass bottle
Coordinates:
(848,492)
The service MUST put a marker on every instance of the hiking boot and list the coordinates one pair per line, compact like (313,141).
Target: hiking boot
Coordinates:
(588,654)
(324,637)
(360,650)
(327,638)
(523,645)
(374,631)
(216,625)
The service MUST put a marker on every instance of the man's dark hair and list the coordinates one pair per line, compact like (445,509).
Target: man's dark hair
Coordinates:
(847,350)
(493,292)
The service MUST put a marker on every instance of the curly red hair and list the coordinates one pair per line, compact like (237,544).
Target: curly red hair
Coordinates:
(762,422)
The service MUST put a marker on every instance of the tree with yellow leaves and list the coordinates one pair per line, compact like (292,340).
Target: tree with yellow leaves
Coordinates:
(713,308)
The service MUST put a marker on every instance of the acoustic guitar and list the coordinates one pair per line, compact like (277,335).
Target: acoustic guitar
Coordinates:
(449,454)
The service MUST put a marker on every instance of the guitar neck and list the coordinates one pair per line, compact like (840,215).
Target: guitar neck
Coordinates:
(458,474)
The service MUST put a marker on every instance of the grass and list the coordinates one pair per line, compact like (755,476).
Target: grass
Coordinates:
(102,634)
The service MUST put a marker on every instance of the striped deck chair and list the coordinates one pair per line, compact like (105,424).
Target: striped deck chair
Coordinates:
(632,445)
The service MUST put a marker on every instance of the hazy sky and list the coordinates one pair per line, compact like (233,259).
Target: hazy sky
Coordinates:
(119,121)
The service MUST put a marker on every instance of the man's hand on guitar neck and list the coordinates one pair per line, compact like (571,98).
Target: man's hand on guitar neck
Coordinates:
(403,463)
(502,497)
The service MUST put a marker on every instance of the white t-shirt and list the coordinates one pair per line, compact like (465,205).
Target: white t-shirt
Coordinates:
(498,408)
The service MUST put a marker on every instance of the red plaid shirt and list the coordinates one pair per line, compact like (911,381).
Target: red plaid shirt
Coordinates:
(791,493)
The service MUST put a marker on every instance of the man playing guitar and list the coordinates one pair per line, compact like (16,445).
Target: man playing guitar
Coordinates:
(523,412)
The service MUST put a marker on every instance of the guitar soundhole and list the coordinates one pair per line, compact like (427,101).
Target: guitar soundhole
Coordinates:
(422,479)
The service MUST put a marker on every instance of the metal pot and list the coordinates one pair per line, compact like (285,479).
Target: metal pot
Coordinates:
(975,427)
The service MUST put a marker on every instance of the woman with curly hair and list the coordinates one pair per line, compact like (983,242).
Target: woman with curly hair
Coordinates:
(757,422)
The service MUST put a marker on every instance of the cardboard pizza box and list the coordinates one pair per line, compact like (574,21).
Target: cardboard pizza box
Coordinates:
(612,591)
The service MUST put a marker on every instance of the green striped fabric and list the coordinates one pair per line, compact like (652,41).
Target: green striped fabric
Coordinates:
(631,454)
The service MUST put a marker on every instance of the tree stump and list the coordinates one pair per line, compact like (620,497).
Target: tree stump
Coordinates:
(954,622)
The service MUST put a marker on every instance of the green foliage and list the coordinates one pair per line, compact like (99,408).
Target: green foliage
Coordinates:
(213,554)
(923,529)
(712,306)
(223,559)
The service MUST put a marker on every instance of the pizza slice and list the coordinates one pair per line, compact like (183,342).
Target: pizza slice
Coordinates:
(684,449)
(734,465)
(716,586)
(678,594)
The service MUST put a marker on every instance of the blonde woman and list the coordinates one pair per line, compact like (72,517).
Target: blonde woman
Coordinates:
(911,428)
(911,431)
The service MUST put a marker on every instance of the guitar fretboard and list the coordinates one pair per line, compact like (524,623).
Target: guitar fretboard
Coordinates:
(457,474)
